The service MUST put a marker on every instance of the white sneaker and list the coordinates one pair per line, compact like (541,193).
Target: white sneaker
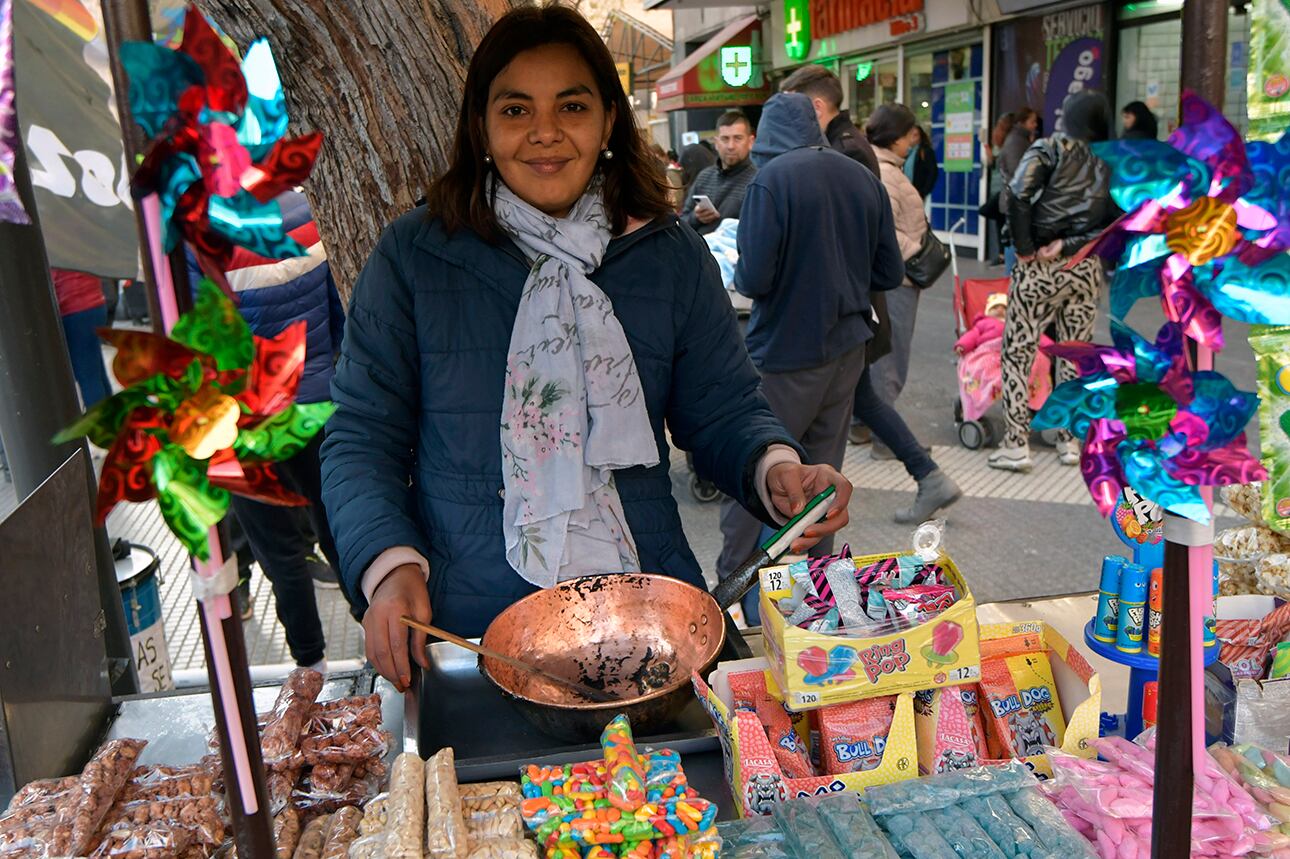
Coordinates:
(1011,459)
(1068,452)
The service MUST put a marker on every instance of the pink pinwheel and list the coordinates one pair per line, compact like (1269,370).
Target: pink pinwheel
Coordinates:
(1206,228)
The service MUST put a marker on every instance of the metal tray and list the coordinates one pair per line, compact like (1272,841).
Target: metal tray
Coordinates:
(457,707)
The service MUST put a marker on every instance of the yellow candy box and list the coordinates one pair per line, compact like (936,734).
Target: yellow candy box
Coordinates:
(817,669)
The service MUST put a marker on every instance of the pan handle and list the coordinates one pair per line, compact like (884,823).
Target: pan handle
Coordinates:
(735,585)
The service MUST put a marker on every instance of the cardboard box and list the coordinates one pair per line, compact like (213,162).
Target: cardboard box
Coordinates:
(1079,688)
(861,667)
(756,780)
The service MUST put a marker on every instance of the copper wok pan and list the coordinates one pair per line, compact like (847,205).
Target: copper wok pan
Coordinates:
(635,635)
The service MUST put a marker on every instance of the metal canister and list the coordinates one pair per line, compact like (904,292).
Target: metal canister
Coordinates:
(1133,608)
(1155,608)
(1108,599)
(1150,701)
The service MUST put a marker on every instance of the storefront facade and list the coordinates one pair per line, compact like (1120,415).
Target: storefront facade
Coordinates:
(931,55)
(724,67)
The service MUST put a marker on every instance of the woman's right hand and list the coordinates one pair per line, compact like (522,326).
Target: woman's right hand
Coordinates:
(402,592)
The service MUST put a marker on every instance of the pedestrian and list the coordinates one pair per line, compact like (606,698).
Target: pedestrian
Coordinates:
(272,295)
(694,158)
(1025,125)
(718,190)
(83,308)
(815,238)
(1058,201)
(920,165)
(823,88)
(894,133)
(463,469)
(991,145)
(1139,122)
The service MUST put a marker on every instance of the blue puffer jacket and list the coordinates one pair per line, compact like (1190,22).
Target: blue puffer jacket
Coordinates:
(412,456)
(272,294)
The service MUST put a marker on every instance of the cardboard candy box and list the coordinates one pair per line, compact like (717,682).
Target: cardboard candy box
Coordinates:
(1078,687)
(757,781)
(818,669)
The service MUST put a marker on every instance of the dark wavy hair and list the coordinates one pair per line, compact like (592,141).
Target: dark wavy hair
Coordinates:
(889,123)
(632,184)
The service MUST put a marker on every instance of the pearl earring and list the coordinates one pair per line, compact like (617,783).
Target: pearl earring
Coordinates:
(608,154)
(488,159)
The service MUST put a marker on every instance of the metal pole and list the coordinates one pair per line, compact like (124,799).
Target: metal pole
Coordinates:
(222,636)
(1187,573)
(129,20)
(39,396)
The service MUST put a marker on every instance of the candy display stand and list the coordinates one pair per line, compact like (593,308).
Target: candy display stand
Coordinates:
(1143,668)
(1140,525)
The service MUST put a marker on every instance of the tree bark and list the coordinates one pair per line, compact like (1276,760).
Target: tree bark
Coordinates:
(383,81)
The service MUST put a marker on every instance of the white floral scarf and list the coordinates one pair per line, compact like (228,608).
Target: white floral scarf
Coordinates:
(573,410)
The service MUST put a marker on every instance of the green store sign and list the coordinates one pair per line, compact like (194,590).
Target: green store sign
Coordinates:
(797,28)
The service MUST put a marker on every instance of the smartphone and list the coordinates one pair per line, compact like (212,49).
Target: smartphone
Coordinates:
(703,200)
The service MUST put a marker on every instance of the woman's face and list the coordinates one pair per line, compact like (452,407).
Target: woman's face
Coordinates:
(904,145)
(1128,119)
(546,126)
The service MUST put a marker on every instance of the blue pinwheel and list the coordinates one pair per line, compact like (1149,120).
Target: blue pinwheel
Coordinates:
(1150,422)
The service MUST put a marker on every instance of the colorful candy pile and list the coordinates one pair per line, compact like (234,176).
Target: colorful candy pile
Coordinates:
(888,595)
(1109,801)
(627,805)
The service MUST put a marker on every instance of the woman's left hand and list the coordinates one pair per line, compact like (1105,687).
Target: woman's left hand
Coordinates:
(1051,251)
(791,485)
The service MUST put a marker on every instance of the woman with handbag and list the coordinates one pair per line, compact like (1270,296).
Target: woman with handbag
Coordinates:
(893,132)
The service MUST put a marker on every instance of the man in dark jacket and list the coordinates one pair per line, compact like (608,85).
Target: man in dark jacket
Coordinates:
(824,90)
(724,183)
(815,238)
(1058,201)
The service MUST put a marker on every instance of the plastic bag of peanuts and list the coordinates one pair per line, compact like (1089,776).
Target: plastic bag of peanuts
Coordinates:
(374,816)
(405,808)
(312,839)
(504,848)
(445,831)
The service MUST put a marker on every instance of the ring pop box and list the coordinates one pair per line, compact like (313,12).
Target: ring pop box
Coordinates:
(815,669)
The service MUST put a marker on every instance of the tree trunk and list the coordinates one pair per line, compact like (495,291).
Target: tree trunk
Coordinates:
(383,82)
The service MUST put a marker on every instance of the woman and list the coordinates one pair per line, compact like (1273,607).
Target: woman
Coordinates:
(921,167)
(893,131)
(1139,122)
(500,416)
(1058,201)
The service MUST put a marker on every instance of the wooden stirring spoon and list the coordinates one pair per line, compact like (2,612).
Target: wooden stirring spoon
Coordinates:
(591,694)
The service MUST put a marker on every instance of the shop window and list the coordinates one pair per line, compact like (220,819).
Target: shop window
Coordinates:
(929,78)
(1148,70)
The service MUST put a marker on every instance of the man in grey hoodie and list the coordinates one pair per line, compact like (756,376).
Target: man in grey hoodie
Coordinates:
(816,238)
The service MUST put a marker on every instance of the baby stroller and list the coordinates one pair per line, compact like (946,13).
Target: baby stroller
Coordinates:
(722,244)
(972,297)
(969,302)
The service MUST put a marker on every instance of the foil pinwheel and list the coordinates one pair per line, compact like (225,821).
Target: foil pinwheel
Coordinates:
(217,154)
(1207,224)
(1150,422)
(204,412)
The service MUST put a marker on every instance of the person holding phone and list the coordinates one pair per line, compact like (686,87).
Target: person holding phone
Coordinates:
(718,191)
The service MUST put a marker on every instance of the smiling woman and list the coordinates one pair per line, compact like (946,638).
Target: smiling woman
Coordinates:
(514,349)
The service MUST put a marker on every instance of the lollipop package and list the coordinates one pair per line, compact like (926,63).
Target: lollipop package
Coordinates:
(1019,700)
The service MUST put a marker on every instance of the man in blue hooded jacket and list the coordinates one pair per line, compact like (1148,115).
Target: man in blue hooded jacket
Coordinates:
(816,237)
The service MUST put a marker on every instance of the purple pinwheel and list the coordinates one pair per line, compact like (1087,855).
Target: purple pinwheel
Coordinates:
(1207,225)
(1150,423)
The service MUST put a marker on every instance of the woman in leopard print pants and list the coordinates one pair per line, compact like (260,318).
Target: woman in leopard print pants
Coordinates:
(1058,201)
(1042,293)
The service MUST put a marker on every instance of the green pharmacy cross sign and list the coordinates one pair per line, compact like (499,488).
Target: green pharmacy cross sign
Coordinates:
(797,28)
(736,65)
